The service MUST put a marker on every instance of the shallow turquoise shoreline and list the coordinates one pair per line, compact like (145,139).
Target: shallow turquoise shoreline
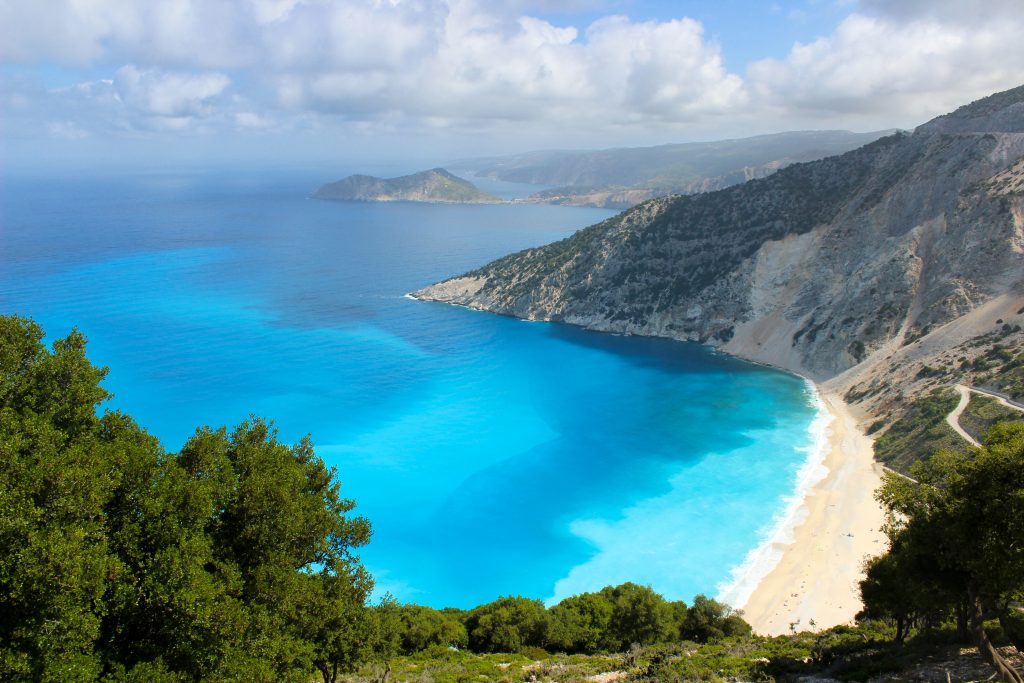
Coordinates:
(493,458)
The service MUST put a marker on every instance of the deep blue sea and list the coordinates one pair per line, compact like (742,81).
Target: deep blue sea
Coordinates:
(492,456)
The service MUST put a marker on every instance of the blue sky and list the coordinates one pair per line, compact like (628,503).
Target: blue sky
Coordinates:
(308,80)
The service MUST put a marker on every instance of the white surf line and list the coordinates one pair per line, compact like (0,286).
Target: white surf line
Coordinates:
(780,532)
(953,419)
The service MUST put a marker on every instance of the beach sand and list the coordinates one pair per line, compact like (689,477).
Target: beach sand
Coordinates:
(818,574)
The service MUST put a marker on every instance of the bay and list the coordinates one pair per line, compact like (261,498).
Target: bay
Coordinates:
(492,456)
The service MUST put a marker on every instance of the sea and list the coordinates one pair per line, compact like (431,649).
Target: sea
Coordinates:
(492,456)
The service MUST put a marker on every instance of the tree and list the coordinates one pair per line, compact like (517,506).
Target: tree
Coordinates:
(708,620)
(507,625)
(966,513)
(171,599)
(906,586)
(279,518)
(580,623)
(639,615)
(337,622)
(386,633)
(54,484)
(231,560)
(423,627)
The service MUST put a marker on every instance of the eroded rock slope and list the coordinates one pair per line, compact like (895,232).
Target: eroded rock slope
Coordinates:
(824,267)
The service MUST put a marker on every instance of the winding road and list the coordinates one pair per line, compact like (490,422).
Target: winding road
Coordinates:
(953,419)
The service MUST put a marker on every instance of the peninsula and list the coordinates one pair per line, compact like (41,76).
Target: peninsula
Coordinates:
(434,186)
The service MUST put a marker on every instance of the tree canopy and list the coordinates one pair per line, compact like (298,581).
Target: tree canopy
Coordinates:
(233,559)
(957,540)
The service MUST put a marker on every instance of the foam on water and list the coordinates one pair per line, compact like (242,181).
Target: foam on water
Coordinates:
(779,532)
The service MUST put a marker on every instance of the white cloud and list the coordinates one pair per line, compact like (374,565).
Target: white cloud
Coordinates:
(477,67)
(468,65)
(895,66)
(154,93)
(436,60)
(207,33)
(956,11)
(134,100)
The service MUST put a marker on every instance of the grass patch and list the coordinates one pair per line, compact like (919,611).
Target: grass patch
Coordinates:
(920,432)
(984,411)
(441,665)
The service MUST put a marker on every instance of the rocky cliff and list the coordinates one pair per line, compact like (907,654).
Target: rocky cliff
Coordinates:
(435,185)
(871,262)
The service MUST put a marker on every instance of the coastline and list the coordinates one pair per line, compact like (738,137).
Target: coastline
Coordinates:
(763,558)
(810,565)
(838,525)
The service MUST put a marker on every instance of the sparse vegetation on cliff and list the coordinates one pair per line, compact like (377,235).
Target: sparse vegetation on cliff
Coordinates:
(921,431)
(816,268)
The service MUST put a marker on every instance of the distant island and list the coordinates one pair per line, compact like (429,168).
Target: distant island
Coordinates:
(436,185)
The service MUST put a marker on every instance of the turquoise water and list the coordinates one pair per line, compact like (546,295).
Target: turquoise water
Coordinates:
(493,456)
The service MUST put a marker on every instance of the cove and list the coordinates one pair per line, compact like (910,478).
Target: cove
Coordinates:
(492,456)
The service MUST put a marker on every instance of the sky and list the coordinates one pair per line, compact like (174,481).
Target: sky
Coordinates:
(317,81)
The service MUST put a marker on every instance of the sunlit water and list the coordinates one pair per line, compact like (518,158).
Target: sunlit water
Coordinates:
(493,456)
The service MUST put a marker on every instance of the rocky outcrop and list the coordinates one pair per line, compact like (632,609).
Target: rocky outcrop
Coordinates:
(436,185)
(821,268)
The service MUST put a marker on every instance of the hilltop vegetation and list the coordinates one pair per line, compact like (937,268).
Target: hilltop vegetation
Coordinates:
(230,560)
(1001,368)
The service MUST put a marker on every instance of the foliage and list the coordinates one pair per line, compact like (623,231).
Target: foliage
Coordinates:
(1004,366)
(982,412)
(580,623)
(955,535)
(639,615)
(423,627)
(231,560)
(920,432)
(507,624)
(710,620)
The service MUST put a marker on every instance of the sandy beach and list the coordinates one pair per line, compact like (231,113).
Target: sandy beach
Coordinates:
(818,574)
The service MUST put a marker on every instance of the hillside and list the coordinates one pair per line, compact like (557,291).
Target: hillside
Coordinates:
(861,269)
(435,185)
(620,178)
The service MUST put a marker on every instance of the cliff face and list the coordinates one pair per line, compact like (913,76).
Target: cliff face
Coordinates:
(435,185)
(826,268)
